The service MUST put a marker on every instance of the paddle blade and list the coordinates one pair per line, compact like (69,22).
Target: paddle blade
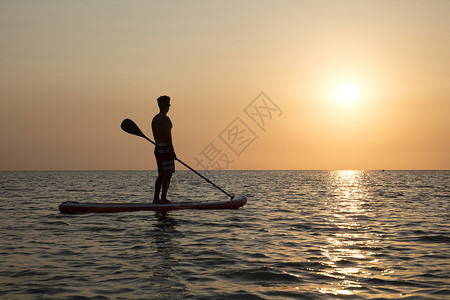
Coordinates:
(130,127)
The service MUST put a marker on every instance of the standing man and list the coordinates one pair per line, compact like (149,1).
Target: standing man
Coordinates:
(164,152)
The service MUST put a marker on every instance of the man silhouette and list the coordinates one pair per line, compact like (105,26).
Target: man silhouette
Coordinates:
(164,152)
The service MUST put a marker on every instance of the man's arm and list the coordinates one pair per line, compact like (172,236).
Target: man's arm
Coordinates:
(168,135)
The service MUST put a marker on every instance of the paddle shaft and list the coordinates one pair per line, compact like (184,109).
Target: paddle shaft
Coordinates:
(181,162)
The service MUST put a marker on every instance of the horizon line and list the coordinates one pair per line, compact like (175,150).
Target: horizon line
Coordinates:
(119,170)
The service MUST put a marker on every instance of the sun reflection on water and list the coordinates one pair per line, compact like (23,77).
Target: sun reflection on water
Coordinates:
(347,252)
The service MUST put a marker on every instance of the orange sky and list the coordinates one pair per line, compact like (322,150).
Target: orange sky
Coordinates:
(71,71)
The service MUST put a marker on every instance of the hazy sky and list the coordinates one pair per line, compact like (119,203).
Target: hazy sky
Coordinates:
(71,71)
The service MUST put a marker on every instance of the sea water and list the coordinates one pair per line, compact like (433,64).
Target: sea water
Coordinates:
(302,235)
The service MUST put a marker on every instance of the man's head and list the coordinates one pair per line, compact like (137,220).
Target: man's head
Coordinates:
(164,103)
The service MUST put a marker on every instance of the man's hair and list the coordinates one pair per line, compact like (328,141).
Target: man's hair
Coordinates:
(163,100)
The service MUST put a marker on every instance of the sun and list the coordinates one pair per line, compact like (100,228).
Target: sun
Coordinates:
(346,93)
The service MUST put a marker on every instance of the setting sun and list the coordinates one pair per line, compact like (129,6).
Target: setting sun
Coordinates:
(346,93)
(346,85)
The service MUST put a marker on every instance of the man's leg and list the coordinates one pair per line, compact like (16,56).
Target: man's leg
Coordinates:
(165,186)
(158,184)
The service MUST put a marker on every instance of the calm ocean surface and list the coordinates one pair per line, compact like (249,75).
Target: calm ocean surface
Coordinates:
(302,235)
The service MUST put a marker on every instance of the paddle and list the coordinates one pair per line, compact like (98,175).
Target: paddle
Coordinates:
(130,127)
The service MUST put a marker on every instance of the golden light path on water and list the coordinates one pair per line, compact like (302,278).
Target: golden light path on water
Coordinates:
(348,251)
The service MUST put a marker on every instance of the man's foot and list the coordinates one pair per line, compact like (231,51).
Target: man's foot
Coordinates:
(164,201)
(161,201)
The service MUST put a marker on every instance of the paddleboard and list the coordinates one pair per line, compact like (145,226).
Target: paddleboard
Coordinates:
(79,208)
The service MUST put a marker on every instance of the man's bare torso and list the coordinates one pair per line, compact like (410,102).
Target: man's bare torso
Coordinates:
(162,126)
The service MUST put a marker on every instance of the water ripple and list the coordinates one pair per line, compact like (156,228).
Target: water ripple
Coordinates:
(302,235)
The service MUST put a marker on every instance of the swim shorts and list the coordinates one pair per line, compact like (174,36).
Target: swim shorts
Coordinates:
(164,160)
